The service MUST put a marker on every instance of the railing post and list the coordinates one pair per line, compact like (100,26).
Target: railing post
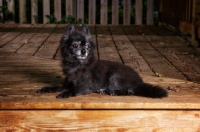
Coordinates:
(80,10)
(22,11)
(115,12)
(92,12)
(46,10)
(11,8)
(150,5)
(138,12)
(57,9)
(104,12)
(126,17)
(34,11)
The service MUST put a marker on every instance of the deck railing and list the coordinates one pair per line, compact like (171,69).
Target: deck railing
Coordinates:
(177,13)
(76,8)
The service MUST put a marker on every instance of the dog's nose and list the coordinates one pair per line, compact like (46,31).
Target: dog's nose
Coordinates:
(83,51)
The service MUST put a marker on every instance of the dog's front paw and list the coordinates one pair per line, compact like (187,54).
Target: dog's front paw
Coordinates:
(43,90)
(66,94)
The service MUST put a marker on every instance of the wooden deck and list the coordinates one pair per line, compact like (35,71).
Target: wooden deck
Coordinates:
(30,59)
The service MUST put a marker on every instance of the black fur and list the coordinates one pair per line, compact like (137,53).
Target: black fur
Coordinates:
(85,75)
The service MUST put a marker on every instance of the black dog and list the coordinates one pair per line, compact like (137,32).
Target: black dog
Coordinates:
(85,75)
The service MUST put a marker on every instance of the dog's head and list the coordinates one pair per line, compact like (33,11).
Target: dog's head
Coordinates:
(77,44)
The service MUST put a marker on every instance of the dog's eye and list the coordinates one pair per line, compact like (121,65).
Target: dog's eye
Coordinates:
(75,45)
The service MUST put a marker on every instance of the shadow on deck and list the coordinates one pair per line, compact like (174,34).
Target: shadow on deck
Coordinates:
(30,59)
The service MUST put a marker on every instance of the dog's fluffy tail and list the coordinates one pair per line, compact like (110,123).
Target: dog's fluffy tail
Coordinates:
(148,90)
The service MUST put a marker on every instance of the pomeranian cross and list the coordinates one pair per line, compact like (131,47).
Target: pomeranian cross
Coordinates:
(84,74)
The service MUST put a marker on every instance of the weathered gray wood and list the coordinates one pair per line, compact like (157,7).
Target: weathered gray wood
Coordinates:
(127,51)
(80,10)
(22,11)
(126,17)
(156,61)
(34,11)
(50,47)
(106,47)
(36,42)
(21,39)
(115,12)
(150,15)
(92,12)
(6,38)
(46,10)
(138,12)
(104,12)
(57,9)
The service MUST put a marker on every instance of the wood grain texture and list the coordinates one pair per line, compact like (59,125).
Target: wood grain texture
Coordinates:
(106,47)
(104,12)
(127,10)
(115,12)
(104,120)
(69,7)
(34,11)
(150,10)
(8,37)
(22,11)
(46,10)
(92,12)
(138,12)
(80,10)
(57,9)
(145,48)
(127,51)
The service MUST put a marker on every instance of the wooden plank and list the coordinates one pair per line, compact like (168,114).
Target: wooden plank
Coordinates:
(92,12)
(115,12)
(35,43)
(138,12)
(29,73)
(34,11)
(22,11)
(6,28)
(80,10)
(150,15)
(57,9)
(126,15)
(11,8)
(22,39)
(178,55)
(127,51)
(69,7)
(104,120)
(6,38)
(156,61)
(104,12)
(50,48)
(106,47)
(46,10)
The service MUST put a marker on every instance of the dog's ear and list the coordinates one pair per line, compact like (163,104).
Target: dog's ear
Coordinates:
(70,29)
(85,29)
